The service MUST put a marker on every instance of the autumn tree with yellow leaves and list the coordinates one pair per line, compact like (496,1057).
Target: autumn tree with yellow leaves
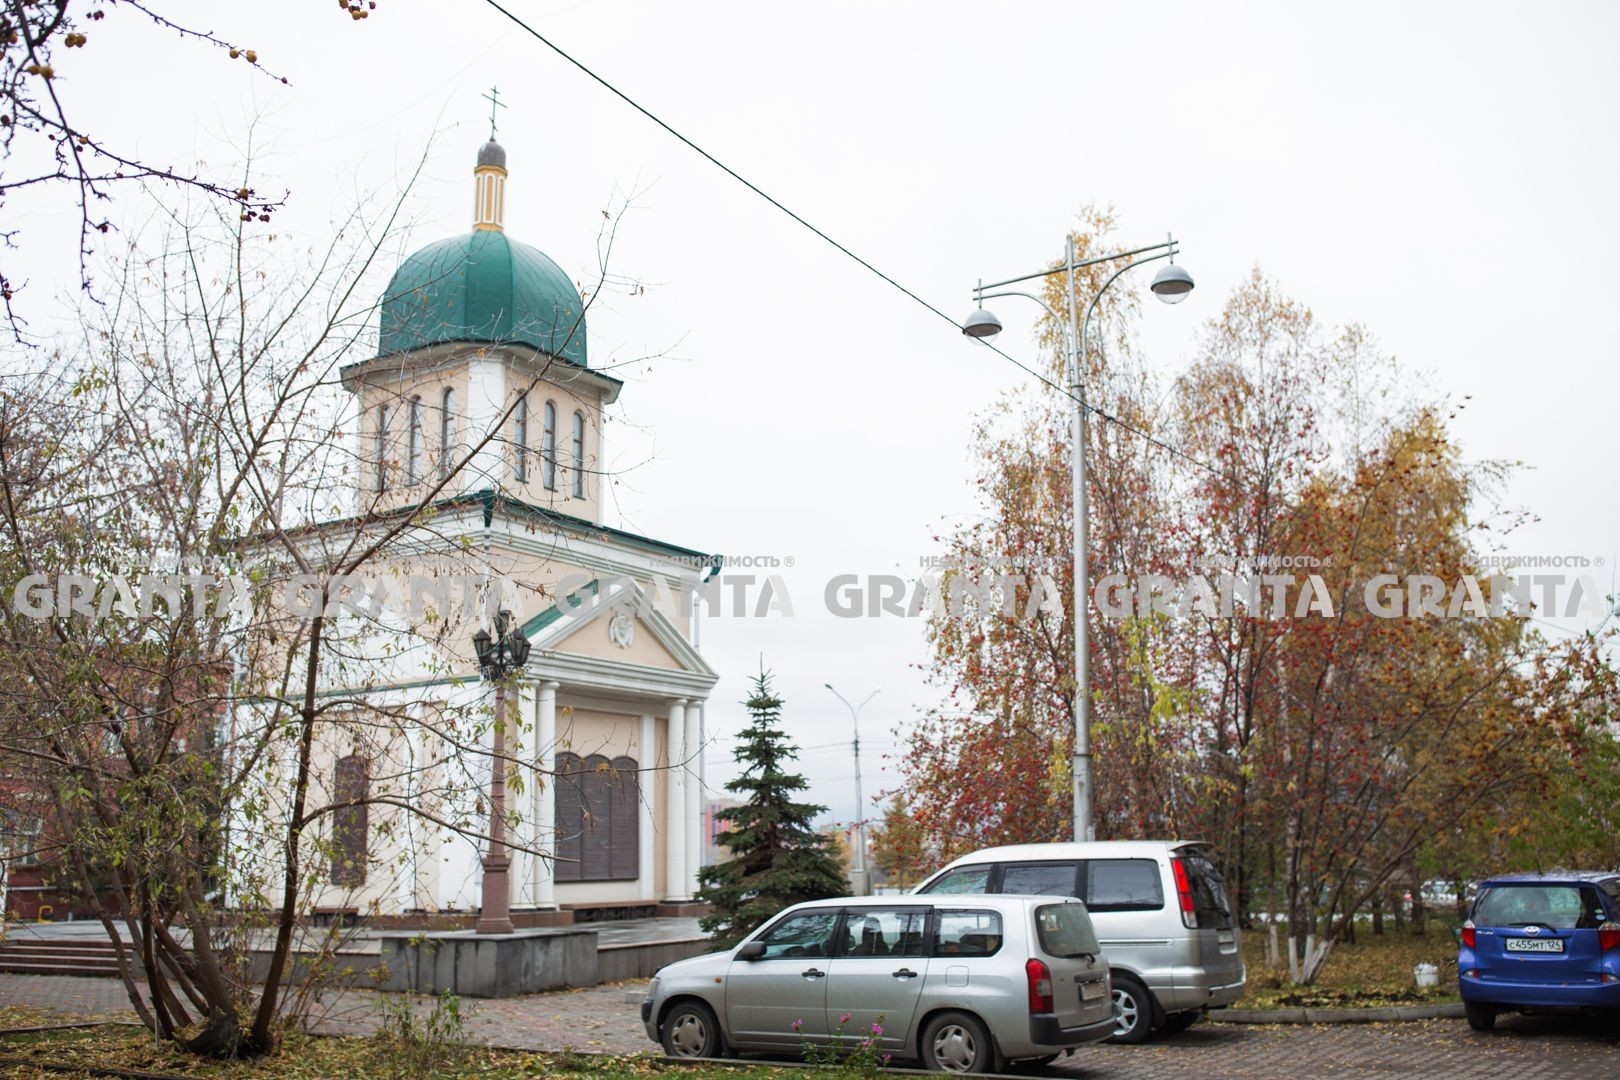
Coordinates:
(1328,751)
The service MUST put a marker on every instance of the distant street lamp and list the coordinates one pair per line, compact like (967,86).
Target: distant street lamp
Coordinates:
(1171,284)
(498,657)
(858,882)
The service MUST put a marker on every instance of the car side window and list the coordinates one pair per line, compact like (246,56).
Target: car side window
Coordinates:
(963,879)
(1123,885)
(1039,879)
(883,932)
(967,933)
(809,933)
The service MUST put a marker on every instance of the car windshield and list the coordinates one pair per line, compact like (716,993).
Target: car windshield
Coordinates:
(1558,907)
(1065,930)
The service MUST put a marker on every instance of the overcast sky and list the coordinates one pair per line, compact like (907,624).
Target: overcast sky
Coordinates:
(1443,173)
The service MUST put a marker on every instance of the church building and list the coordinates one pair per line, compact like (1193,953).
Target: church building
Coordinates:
(482,403)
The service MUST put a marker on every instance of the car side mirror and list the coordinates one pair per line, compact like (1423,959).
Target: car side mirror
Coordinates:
(751,950)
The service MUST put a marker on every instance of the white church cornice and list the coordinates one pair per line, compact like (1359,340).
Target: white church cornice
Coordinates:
(557,370)
(464,522)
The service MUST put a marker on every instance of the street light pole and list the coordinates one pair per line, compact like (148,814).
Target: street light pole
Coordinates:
(859,883)
(498,657)
(1171,284)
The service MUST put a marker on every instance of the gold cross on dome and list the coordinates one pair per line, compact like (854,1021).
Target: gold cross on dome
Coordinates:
(494,99)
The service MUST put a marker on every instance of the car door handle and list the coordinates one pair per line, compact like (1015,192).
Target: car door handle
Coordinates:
(905,973)
(812,973)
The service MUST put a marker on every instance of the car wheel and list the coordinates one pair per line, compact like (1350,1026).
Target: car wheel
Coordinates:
(1133,1011)
(691,1031)
(956,1042)
(1481,1017)
(1181,1021)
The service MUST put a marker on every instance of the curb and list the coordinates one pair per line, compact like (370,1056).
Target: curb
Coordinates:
(1388,1014)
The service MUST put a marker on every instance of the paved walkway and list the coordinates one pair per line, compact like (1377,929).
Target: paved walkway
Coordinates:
(595,1018)
(600,1019)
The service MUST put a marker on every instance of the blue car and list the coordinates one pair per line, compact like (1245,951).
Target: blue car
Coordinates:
(1541,941)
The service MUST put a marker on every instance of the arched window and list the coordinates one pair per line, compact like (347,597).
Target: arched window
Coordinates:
(447,432)
(520,435)
(548,448)
(413,441)
(382,447)
(598,818)
(351,782)
(579,455)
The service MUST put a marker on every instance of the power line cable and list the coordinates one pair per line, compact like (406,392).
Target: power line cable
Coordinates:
(784,209)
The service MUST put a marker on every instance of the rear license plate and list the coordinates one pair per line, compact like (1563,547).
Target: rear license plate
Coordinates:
(1091,991)
(1530,944)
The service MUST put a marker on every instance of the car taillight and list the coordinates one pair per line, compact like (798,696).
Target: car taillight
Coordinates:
(1189,913)
(1040,986)
(1468,933)
(1609,936)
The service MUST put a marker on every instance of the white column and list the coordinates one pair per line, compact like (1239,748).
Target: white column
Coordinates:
(646,759)
(520,720)
(486,402)
(694,799)
(675,805)
(597,488)
(545,794)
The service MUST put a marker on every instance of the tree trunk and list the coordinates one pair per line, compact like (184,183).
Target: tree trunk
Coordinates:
(1378,915)
(1420,912)
(263,1020)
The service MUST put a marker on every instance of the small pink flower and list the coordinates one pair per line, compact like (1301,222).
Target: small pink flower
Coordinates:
(886,1058)
(844,1019)
(877,1029)
(798,1025)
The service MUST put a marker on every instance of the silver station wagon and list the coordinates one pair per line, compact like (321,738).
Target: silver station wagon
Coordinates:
(965,983)
(1160,910)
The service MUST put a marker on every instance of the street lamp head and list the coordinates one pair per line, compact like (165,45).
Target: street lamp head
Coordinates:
(1172,284)
(982,325)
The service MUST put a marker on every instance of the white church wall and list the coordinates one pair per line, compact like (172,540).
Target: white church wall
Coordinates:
(554,386)
(424,377)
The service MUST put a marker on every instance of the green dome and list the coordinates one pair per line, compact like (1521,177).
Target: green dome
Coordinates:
(484,288)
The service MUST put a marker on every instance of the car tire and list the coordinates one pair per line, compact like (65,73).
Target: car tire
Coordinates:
(1133,1011)
(1481,1017)
(1181,1021)
(690,1030)
(957,1042)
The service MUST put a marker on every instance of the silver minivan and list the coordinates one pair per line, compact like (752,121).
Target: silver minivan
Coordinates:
(1161,913)
(965,983)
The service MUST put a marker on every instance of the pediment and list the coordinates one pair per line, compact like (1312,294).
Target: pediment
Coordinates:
(617,626)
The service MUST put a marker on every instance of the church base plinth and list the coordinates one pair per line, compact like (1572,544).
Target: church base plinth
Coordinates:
(489,965)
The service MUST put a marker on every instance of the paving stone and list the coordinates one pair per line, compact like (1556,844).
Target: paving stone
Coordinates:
(601,1019)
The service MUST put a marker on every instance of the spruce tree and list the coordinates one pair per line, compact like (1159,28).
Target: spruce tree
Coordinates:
(778,859)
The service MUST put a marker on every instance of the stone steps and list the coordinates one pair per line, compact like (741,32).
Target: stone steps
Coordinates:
(62,957)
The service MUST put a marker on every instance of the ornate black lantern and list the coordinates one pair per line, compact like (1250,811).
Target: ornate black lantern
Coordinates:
(503,653)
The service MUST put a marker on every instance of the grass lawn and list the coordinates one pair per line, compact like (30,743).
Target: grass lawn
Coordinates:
(303,1058)
(1376,970)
